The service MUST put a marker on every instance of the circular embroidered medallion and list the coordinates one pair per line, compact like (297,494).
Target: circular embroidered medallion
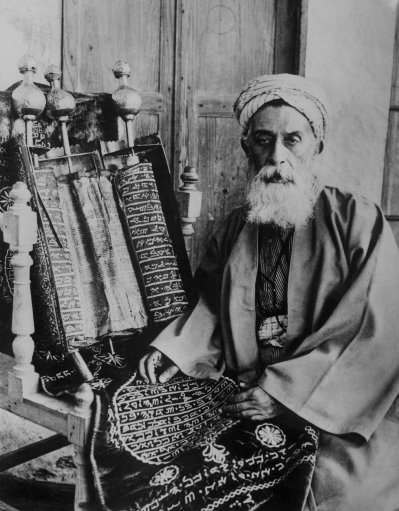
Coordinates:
(5,200)
(164,476)
(270,435)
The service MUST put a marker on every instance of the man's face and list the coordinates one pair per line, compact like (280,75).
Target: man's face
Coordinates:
(280,139)
(283,149)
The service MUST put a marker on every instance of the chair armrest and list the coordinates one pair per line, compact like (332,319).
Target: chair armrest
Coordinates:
(68,418)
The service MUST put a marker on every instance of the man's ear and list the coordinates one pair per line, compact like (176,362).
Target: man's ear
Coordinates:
(244,145)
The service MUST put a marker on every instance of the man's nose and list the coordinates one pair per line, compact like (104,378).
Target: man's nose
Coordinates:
(277,153)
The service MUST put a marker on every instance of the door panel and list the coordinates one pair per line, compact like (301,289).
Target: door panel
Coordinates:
(189,59)
(97,34)
(223,44)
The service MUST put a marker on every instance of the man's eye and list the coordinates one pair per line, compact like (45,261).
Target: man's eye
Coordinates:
(263,140)
(292,140)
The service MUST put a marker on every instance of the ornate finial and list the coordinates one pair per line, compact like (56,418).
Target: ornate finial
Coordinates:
(189,199)
(27,63)
(190,178)
(53,72)
(19,193)
(27,98)
(60,103)
(121,68)
(127,99)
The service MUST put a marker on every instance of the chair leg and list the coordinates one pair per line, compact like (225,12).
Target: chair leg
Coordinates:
(32,451)
(82,494)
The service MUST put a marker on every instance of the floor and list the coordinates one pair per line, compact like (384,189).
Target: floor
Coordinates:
(45,483)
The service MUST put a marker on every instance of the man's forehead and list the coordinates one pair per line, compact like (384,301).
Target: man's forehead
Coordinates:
(280,118)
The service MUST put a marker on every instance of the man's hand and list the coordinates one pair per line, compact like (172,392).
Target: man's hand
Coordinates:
(254,404)
(155,367)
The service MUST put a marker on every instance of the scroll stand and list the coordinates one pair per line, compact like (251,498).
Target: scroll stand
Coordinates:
(19,225)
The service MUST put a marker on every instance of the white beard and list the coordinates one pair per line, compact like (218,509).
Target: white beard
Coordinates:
(285,204)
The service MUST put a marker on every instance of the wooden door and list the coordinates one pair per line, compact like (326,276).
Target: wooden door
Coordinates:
(98,33)
(223,44)
(189,59)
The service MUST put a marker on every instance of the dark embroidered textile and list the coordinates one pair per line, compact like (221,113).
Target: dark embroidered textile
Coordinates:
(166,447)
(108,362)
(152,245)
(95,284)
(59,253)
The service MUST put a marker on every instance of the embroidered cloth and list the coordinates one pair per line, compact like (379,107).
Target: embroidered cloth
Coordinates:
(166,447)
(151,242)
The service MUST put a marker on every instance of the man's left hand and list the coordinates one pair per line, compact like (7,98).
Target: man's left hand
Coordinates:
(254,404)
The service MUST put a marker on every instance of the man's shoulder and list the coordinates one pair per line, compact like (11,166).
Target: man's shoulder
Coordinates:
(237,216)
(348,205)
(229,229)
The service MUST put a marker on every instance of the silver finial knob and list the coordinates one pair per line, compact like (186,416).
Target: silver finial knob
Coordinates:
(127,99)
(28,99)
(60,103)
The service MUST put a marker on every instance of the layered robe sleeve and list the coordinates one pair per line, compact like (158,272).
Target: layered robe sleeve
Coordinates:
(194,341)
(342,374)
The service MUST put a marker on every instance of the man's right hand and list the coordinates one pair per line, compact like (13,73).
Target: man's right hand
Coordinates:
(155,367)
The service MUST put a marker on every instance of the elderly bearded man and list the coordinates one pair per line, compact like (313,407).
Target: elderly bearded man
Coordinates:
(299,299)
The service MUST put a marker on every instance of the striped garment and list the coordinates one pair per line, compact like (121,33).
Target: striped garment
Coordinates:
(275,247)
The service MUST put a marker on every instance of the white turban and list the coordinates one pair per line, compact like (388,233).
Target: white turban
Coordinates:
(298,92)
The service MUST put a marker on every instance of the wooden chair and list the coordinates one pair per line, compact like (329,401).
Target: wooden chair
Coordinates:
(69,420)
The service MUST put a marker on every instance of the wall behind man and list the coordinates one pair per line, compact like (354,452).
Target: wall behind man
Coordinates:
(29,26)
(350,51)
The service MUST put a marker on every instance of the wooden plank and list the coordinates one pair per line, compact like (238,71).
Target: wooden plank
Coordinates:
(287,36)
(224,176)
(211,106)
(52,413)
(32,451)
(96,34)
(302,38)
(167,76)
(390,187)
(6,364)
(222,44)
(395,68)
(152,102)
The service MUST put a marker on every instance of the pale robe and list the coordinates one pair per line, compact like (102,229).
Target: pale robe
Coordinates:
(342,375)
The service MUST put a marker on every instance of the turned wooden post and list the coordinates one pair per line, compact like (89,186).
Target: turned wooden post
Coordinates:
(189,199)
(78,428)
(19,225)
(128,103)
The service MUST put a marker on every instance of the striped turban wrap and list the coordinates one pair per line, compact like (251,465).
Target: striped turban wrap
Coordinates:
(298,92)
